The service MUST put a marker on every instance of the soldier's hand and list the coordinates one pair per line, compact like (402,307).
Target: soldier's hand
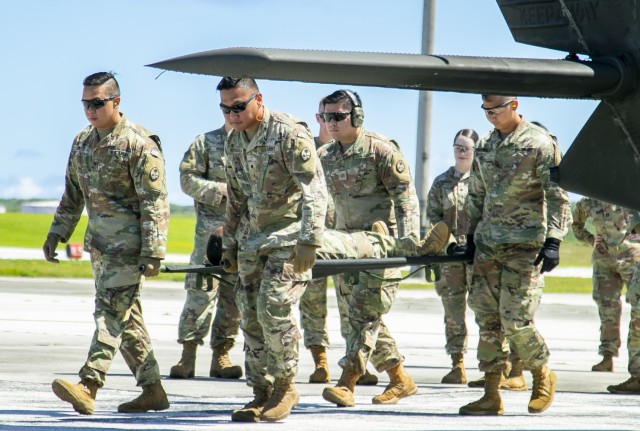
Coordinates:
(549,255)
(229,261)
(49,247)
(432,272)
(470,250)
(149,266)
(303,257)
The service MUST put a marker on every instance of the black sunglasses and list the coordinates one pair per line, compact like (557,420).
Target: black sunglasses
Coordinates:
(96,103)
(238,107)
(336,116)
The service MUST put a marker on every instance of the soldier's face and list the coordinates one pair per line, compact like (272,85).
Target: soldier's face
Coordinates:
(341,130)
(234,100)
(105,116)
(463,149)
(501,113)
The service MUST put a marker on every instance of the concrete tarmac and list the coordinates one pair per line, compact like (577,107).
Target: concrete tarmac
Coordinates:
(46,327)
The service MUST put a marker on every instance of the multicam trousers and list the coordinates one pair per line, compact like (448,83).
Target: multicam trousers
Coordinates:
(267,293)
(505,293)
(119,322)
(452,289)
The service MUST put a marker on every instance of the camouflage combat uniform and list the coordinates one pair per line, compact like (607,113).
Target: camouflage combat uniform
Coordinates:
(370,181)
(446,202)
(512,207)
(277,198)
(121,182)
(613,260)
(313,303)
(202,177)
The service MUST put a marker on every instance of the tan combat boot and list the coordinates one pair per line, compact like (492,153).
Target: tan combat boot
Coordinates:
(457,375)
(401,385)
(515,381)
(252,410)
(81,395)
(284,398)
(435,239)
(342,393)
(630,386)
(606,365)
(367,379)
(321,373)
(544,387)
(186,366)
(380,227)
(490,403)
(153,397)
(221,365)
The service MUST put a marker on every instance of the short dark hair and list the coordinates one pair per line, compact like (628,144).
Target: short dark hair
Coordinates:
(230,82)
(467,133)
(503,97)
(344,97)
(102,78)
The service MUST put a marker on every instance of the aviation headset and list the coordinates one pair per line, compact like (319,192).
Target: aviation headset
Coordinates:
(357,113)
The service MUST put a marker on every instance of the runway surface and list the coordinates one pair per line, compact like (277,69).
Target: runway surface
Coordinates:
(46,326)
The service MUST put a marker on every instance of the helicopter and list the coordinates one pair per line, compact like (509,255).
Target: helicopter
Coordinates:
(601,59)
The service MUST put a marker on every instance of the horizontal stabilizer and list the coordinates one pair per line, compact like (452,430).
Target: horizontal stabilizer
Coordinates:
(591,27)
(604,160)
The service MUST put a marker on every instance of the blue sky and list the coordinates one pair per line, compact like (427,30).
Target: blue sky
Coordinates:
(48,47)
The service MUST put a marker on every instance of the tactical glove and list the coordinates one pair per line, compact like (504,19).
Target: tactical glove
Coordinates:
(549,255)
(149,266)
(470,250)
(303,257)
(229,261)
(432,272)
(49,247)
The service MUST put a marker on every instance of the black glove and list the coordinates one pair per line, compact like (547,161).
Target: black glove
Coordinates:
(432,272)
(549,255)
(471,248)
(456,249)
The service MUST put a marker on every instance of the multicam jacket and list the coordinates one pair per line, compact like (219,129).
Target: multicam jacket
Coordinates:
(275,186)
(121,182)
(511,196)
(371,181)
(202,174)
(446,202)
(611,221)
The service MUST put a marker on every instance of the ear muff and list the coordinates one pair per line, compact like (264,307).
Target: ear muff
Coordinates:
(357,113)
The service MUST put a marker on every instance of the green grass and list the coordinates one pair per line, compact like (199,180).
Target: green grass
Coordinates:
(30,231)
(64,269)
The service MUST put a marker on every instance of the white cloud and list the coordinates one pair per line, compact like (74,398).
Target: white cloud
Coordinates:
(23,188)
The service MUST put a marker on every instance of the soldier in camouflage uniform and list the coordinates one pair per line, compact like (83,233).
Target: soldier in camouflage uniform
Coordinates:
(632,384)
(517,218)
(615,256)
(202,177)
(369,180)
(276,205)
(313,303)
(446,202)
(115,171)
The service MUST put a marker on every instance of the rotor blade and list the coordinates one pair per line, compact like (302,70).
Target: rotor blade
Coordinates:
(325,268)
(522,77)
(604,160)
